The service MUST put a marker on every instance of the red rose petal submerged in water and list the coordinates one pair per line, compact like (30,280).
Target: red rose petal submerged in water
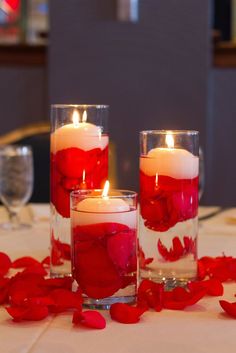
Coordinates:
(5,263)
(95,272)
(122,248)
(167,202)
(89,318)
(178,249)
(72,169)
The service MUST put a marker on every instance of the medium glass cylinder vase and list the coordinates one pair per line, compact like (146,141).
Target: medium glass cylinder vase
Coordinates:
(169,168)
(79,160)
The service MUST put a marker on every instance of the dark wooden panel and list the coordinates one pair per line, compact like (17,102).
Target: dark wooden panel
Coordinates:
(23,55)
(153,73)
(225,55)
(221,178)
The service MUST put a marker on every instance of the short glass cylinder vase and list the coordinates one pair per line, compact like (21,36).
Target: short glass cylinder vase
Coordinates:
(104,246)
(169,169)
(78,160)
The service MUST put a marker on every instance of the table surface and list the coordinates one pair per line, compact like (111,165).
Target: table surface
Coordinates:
(200,328)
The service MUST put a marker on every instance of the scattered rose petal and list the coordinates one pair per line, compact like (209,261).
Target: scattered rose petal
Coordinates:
(150,295)
(46,261)
(37,269)
(212,286)
(229,308)
(64,299)
(89,318)
(5,263)
(125,314)
(32,313)
(25,261)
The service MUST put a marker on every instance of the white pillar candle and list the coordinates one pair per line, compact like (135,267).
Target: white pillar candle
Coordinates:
(83,135)
(177,163)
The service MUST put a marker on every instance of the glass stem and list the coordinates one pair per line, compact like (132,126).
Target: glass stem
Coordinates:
(14,219)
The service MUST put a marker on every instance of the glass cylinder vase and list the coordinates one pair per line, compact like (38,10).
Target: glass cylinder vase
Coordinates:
(79,160)
(104,246)
(169,168)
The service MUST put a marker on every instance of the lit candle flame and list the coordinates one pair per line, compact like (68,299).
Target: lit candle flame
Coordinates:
(106,189)
(83,175)
(84,117)
(170,140)
(76,118)
(156,180)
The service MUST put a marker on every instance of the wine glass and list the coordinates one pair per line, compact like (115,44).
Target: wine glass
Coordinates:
(16,181)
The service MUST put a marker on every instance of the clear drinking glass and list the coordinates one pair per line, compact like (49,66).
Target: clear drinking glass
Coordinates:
(16,181)
(169,170)
(104,246)
(79,160)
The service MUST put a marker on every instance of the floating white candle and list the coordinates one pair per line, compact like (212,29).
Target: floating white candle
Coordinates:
(104,209)
(78,134)
(173,162)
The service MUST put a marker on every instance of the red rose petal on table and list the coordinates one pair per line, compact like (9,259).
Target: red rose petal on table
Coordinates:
(5,263)
(4,288)
(37,269)
(31,313)
(43,301)
(212,286)
(89,318)
(65,299)
(150,295)
(25,261)
(229,308)
(52,283)
(179,298)
(126,314)
(46,261)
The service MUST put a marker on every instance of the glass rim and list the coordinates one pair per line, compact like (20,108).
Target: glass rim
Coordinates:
(15,147)
(82,106)
(173,132)
(129,193)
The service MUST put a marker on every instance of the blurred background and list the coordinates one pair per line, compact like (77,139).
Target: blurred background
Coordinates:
(159,64)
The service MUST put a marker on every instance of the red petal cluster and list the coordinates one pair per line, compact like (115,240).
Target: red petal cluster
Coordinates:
(178,249)
(222,268)
(152,295)
(168,202)
(104,258)
(72,169)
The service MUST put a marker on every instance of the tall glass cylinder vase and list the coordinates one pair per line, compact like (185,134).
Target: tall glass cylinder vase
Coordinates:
(79,160)
(169,168)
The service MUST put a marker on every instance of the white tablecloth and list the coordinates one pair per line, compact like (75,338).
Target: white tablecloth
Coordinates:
(200,328)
